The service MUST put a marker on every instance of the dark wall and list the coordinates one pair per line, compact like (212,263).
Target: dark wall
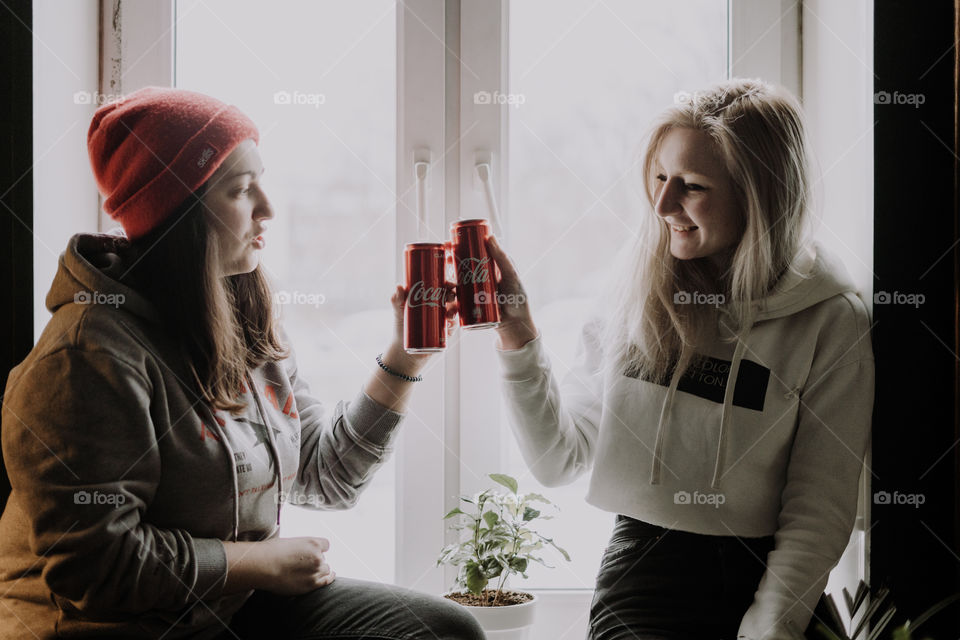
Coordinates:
(915,548)
(16,193)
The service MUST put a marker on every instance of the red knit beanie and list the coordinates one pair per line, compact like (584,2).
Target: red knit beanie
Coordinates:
(151,149)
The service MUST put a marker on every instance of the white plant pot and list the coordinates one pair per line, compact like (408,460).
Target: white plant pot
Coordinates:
(512,622)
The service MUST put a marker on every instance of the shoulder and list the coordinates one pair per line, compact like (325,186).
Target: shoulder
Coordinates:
(843,329)
(103,333)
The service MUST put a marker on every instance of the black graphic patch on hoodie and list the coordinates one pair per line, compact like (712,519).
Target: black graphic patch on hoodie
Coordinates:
(709,381)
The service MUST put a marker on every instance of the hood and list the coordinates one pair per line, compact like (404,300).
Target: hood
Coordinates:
(95,267)
(813,276)
(91,269)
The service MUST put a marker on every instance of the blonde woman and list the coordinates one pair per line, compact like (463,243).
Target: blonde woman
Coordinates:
(723,400)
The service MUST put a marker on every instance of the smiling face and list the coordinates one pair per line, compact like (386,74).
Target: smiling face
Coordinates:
(693,190)
(237,209)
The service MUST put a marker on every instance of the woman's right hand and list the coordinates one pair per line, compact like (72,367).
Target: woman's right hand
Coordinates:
(288,566)
(297,565)
(516,323)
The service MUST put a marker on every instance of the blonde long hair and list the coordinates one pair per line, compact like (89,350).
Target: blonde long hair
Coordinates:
(758,131)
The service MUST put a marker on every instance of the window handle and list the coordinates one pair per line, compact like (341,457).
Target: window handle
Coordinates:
(420,170)
(486,178)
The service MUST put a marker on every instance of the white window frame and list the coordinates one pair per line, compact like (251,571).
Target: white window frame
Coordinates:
(137,41)
(430,439)
(447,50)
(763,41)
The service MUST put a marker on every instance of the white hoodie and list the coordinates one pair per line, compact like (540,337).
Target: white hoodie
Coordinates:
(778,452)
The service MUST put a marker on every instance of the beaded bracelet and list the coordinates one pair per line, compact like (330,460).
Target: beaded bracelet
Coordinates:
(402,376)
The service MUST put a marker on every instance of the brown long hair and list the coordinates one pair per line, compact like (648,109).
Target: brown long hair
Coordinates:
(224,325)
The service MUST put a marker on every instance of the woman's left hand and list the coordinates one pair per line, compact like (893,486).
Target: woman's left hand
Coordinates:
(393,391)
(399,300)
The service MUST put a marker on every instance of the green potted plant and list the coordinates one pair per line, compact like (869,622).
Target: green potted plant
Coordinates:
(861,613)
(496,542)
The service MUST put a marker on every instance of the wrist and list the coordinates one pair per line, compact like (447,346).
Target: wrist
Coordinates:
(516,334)
(246,568)
(400,361)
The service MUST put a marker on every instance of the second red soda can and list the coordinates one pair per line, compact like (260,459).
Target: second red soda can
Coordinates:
(475,269)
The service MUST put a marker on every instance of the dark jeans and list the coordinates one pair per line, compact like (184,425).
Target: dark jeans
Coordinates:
(353,609)
(664,584)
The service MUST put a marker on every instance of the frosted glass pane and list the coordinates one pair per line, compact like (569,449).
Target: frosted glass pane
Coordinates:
(318,78)
(586,79)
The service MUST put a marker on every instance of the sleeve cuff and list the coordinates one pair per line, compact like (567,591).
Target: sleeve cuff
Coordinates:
(525,363)
(211,568)
(371,420)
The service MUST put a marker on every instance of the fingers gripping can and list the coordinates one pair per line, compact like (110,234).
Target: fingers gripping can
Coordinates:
(475,272)
(424,315)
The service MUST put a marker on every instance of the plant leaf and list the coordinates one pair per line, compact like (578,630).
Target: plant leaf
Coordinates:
(849,601)
(882,623)
(454,512)
(505,480)
(902,633)
(828,632)
(535,497)
(835,616)
(872,610)
(554,545)
(491,518)
(529,513)
(935,608)
(518,564)
(474,578)
(862,592)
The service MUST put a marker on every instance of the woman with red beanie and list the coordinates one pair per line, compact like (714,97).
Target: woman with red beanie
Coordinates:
(154,432)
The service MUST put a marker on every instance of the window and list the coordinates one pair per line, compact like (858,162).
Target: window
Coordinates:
(321,87)
(585,82)
(347,97)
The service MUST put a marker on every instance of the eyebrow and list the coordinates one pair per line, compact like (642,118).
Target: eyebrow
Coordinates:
(251,173)
(688,172)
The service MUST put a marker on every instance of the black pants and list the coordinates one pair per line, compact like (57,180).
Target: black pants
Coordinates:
(664,584)
(353,609)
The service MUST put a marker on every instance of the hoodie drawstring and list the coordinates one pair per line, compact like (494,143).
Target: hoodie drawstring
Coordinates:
(725,414)
(727,406)
(273,443)
(664,416)
(222,439)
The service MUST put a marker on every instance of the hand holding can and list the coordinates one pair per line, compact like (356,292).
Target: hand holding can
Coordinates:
(516,326)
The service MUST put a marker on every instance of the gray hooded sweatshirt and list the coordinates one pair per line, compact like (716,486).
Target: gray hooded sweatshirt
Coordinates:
(125,482)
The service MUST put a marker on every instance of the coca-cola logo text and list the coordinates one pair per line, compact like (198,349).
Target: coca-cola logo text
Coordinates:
(423,296)
(474,270)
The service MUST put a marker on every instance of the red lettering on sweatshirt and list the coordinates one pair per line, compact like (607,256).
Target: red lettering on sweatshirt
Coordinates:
(271,393)
(288,407)
(204,431)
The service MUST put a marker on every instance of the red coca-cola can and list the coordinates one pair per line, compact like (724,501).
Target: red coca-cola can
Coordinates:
(476,275)
(424,315)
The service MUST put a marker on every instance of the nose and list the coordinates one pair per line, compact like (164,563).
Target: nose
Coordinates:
(668,201)
(263,210)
